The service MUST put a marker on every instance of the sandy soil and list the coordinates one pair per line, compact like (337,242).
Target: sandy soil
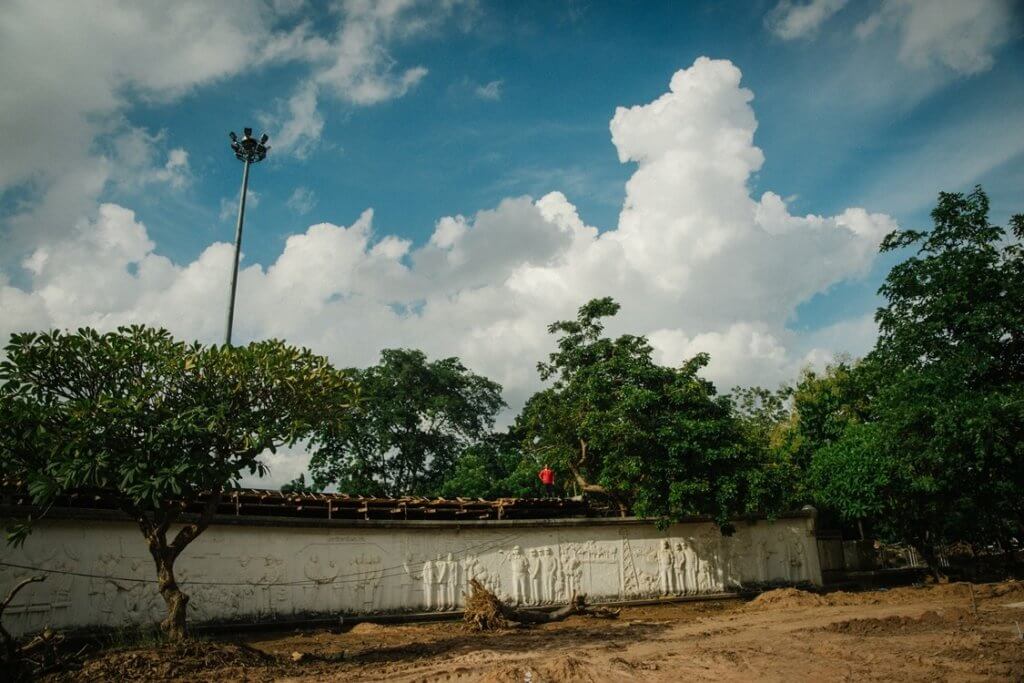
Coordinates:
(908,634)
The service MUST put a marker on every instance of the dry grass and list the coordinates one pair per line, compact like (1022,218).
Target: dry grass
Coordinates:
(484,611)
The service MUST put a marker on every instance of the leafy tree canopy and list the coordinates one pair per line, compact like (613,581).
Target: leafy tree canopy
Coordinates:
(158,422)
(653,439)
(495,467)
(943,438)
(413,420)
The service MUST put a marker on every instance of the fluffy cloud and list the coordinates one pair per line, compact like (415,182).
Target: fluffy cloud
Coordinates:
(354,65)
(299,124)
(62,111)
(136,156)
(490,91)
(229,205)
(790,21)
(302,200)
(358,67)
(958,35)
(697,263)
(953,34)
(900,51)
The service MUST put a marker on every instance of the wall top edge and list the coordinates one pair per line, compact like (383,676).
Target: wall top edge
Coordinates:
(88,514)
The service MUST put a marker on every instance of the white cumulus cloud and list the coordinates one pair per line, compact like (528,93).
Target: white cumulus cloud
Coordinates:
(696,261)
(489,91)
(302,200)
(71,71)
(789,20)
(956,34)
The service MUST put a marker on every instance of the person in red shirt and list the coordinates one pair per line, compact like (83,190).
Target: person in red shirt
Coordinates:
(547,477)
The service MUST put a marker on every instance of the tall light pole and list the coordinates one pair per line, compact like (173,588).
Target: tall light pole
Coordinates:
(248,150)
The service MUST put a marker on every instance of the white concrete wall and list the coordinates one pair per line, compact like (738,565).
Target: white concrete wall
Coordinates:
(278,572)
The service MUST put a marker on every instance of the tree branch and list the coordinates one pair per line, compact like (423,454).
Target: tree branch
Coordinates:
(596,489)
(9,646)
(189,532)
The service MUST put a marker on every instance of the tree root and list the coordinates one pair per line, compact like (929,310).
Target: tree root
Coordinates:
(38,655)
(485,612)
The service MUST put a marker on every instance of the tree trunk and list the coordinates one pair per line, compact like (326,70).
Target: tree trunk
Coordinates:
(486,612)
(932,559)
(10,645)
(598,490)
(175,624)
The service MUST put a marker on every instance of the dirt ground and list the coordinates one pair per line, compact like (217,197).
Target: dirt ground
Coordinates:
(909,634)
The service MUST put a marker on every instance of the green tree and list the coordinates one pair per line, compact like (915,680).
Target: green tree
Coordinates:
(790,426)
(823,404)
(159,424)
(654,440)
(414,418)
(761,411)
(766,419)
(946,420)
(298,485)
(855,477)
(495,467)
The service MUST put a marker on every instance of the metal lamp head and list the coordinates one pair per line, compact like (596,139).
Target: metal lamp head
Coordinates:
(249,149)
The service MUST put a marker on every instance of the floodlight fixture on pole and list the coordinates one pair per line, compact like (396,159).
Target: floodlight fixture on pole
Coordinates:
(248,150)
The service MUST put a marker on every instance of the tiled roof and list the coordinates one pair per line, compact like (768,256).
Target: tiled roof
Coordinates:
(270,503)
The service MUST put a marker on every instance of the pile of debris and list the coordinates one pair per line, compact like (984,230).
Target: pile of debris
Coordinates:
(31,657)
(486,612)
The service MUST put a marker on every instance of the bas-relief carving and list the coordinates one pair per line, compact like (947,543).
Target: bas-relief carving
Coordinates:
(360,572)
(34,609)
(538,575)
(473,568)
(367,571)
(572,576)
(451,581)
(519,568)
(551,569)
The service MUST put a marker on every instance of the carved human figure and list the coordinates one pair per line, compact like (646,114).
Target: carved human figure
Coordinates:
(520,573)
(451,581)
(428,577)
(680,569)
(320,573)
(730,575)
(710,568)
(693,560)
(781,569)
(796,561)
(764,554)
(367,578)
(473,568)
(550,570)
(279,595)
(441,578)
(410,580)
(702,568)
(470,568)
(535,577)
(105,592)
(66,561)
(666,569)
(573,575)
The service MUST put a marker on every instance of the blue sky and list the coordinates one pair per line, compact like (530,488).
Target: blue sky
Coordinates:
(559,70)
(453,176)
(455,122)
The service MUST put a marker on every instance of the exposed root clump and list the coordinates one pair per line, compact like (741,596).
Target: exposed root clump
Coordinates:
(486,612)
